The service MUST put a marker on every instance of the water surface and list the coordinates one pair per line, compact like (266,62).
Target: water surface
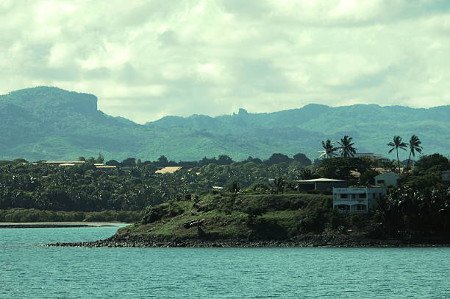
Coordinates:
(28,270)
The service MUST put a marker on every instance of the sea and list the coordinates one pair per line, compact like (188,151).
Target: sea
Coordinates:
(29,269)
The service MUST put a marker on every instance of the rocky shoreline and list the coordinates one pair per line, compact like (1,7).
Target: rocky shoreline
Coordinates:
(301,241)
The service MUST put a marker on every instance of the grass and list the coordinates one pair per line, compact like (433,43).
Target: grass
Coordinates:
(228,216)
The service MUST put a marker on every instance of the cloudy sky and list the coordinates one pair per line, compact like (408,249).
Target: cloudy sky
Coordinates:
(147,59)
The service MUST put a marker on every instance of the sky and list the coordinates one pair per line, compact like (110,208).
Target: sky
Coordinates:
(148,59)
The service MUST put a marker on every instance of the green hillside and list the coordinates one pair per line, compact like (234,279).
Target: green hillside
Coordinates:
(51,123)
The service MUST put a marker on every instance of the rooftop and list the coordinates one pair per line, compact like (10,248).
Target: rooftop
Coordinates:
(320,180)
(168,169)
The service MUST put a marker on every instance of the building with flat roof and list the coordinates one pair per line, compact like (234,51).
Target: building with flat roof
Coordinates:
(320,184)
(64,163)
(357,199)
(168,169)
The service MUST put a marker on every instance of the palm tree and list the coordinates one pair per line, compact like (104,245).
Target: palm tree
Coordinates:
(329,150)
(414,146)
(346,147)
(395,144)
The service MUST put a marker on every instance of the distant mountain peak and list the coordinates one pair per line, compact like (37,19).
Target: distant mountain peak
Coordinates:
(52,123)
(44,98)
(46,90)
(313,105)
(242,111)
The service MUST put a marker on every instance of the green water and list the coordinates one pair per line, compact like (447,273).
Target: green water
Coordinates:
(28,270)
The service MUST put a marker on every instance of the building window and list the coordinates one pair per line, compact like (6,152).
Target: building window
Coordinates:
(380,182)
(362,195)
(343,195)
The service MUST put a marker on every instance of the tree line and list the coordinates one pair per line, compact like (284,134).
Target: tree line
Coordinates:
(347,149)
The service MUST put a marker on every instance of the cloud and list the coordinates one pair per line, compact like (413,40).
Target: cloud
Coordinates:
(147,59)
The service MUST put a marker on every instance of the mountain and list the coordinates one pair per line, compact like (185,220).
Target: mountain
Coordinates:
(51,123)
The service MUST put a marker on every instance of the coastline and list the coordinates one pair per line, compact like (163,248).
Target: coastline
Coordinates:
(301,241)
(6,225)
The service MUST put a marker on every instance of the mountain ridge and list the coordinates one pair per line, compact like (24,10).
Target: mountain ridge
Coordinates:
(52,123)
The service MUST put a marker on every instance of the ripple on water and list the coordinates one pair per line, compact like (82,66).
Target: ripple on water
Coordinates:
(34,271)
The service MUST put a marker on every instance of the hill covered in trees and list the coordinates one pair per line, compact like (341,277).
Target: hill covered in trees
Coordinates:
(51,123)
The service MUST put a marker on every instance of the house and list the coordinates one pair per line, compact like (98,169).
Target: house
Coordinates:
(105,167)
(64,163)
(388,179)
(357,199)
(168,169)
(321,184)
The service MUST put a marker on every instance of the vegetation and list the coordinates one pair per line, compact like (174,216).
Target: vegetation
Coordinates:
(422,200)
(418,209)
(396,144)
(329,151)
(240,216)
(414,147)
(252,199)
(346,147)
(133,185)
(33,215)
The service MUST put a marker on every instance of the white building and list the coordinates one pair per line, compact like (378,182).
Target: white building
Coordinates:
(357,199)
(388,179)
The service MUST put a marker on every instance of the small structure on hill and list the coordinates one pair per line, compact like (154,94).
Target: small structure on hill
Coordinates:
(388,179)
(320,184)
(64,163)
(357,199)
(168,169)
(105,167)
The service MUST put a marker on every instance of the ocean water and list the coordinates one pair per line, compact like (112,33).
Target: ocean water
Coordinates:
(29,270)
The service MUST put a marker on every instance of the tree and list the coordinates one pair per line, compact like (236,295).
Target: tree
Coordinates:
(162,161)
(224,160)
(279,184)
(113,163)
(346,147)
(302,159)
(100,158)
(432,163)
(277,158)
(329,150)
(414,146)
(396,144)
(233,187)
(306,174)
(254,160)
(129,162)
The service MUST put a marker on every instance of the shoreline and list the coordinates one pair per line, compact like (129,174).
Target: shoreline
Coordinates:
(10,225)
(304,241)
